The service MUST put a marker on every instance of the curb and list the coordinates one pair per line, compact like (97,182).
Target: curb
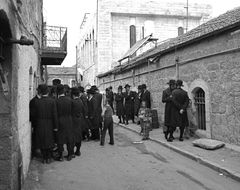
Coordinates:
(227,172)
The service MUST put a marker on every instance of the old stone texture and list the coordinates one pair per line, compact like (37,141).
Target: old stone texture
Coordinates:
(15,131)
(218,75)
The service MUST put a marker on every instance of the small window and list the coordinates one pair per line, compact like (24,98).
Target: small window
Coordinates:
(180,31)
(132,35)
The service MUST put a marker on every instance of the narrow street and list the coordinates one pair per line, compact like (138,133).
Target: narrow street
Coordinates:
(128,165)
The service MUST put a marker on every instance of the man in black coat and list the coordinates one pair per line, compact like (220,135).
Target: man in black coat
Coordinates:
(146,96)
(128,104)
(119,104)
(65,132)
(110,97)
(77,118)
(45,117)
(99,120)
(179,112)
(32,117)
(167,98)
(93,114)
(85,124)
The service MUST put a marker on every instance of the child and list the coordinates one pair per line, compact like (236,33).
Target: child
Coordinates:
(145,120)
(107,123)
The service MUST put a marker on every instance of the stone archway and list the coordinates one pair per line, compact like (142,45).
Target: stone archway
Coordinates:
(200,86)
(56,82)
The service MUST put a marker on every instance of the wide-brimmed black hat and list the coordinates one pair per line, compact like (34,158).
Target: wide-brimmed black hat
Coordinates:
(144,86)
(91,91)
(60,88)
(120,87)
(179,83)
(172,81)
(107,89)
(75,91)
(139,87)
(43,89)
(110,87)
(127,85)
(81,89)
(94,87)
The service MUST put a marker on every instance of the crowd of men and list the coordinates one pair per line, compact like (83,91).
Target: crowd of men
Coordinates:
(128,102)
(63,116)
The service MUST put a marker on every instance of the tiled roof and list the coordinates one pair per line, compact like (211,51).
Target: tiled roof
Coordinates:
(61,70)
(216,25)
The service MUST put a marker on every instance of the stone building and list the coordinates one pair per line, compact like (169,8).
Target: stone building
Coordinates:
(207,59)
(22,56)
(63,75)
(116,26)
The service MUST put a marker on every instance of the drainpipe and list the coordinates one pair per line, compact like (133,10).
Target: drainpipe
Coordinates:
(177,67)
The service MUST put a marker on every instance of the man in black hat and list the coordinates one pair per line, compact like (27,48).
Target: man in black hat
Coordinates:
(65,133)
(167,98)
(138,100)
(128,104)
(46,122)
(93,114)
(146,96)
(180,101)
(85,125)
(77,118)
(119,104)
(99,120)
(32,117)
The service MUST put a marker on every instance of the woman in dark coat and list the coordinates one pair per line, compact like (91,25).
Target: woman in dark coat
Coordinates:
(137,100)
(65,131)
(77,119)
(119,104)
(46,122)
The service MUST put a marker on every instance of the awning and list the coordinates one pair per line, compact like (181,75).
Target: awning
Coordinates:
(137,46)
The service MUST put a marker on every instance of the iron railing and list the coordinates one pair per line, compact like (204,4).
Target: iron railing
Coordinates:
(54,38)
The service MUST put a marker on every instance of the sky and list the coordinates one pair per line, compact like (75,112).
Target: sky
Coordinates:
(69,13)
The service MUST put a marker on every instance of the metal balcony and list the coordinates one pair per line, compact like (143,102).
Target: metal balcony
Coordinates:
(54,46)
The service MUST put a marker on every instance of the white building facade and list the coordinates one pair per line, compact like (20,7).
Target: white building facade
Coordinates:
(108,33)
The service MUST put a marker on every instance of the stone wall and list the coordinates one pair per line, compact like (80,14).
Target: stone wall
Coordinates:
(22,65)
(213,65)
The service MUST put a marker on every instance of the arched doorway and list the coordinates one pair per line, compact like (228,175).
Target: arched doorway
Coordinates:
(56,82)
(199,101)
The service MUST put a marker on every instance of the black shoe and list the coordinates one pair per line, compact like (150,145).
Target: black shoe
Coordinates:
(180,139)
(111,143)
(101,144)
(166,135)
(69,158)
(170,139)
(78,153)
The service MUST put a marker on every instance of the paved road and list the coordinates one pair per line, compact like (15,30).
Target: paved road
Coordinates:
(127,166)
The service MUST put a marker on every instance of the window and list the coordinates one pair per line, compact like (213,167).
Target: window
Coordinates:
(132,35)
(200,106)
(180,31)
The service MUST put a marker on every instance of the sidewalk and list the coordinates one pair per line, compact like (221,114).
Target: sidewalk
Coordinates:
(225,160)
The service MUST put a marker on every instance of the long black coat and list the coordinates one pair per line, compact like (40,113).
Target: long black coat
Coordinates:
(168,106)
(45,118)
(129,104)
(93,113)
(77,118)
(98,98)
(137,103)
(180,101)
(119,104)
(85,125)
(146,96)
(65,130)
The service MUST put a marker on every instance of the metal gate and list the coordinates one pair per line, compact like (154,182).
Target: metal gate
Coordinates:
(200,106)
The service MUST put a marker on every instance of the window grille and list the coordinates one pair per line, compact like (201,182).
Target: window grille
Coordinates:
(200,106)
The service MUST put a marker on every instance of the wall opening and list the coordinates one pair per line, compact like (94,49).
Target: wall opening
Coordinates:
(56,82)
(132,35)
(199,101)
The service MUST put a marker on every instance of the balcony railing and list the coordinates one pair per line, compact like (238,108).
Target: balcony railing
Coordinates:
(54,46)
(55,38)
